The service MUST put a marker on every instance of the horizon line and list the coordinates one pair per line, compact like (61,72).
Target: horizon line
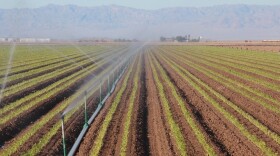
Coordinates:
(82,6)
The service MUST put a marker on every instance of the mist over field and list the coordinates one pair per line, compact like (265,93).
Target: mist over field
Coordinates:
(224,22)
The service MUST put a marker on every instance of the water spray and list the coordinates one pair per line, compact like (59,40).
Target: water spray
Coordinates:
(108,85)
(119,68)
(100,93)
(9,66)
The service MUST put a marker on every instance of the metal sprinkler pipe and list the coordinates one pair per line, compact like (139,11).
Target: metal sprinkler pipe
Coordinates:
(63,135)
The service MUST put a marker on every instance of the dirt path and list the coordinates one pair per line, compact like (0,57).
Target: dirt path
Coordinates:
(159,138)
(142,145)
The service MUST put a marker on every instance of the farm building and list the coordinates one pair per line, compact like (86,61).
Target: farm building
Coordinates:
(32,40)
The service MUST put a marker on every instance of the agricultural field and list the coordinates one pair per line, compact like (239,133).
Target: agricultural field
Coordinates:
(41,82)
(170,100)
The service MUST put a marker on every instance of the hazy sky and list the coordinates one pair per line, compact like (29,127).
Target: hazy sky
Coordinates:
(143,4)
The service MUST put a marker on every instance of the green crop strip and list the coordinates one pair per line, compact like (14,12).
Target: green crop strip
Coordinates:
(30,82)
(186,113)
(49,67)
(38,125)
(248,89)
(242,89)
(233,64)
(46,95)
(49,57)
(235,56)
(92,57)
(36,148)
(43,96)
(262,127)
(103,129)
(254,57)
(50,90)
(174,127)
(188,77)
(236,61)
(129,113)
(25,58)
(241,75)
(245,65)
(13,89)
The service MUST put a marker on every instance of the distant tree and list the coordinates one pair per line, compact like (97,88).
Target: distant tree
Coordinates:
(162,39)
(180,39)
(195,40)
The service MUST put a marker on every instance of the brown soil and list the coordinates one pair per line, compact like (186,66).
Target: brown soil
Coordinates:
(149,131)
(263,77)
(226,132)
(261,48)
(142,146)
(13,127)
(74,124)
(37,67)
(238,100)
(192,145)
(112,140)
(24,92)
(158,134)
(246,104)
(144,135)
(91,135)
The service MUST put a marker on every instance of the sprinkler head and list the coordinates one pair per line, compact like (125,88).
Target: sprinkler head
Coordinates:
(62,116)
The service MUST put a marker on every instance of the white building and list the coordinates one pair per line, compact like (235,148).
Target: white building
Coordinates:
(34,40)
(27,40)
(43,40)
(10,39)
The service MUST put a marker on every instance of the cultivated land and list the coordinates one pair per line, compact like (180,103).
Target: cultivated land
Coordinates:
(171,100)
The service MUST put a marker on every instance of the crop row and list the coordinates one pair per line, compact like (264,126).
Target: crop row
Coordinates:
(246,72)
(25,58)
(42,67)
(192,123)
(251,93)
(44,78)
(45,119)
(131,104)
(45,139)
(232,81)
(47,68)
(176,132)
(19,106)
(250,67)
(215,76)
(251,56)
(44,95)
(97,145)
(203,89)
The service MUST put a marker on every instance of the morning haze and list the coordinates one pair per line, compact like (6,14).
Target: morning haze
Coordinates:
(222,22)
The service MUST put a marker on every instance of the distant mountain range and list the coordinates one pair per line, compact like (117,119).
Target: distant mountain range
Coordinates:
(228,22)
